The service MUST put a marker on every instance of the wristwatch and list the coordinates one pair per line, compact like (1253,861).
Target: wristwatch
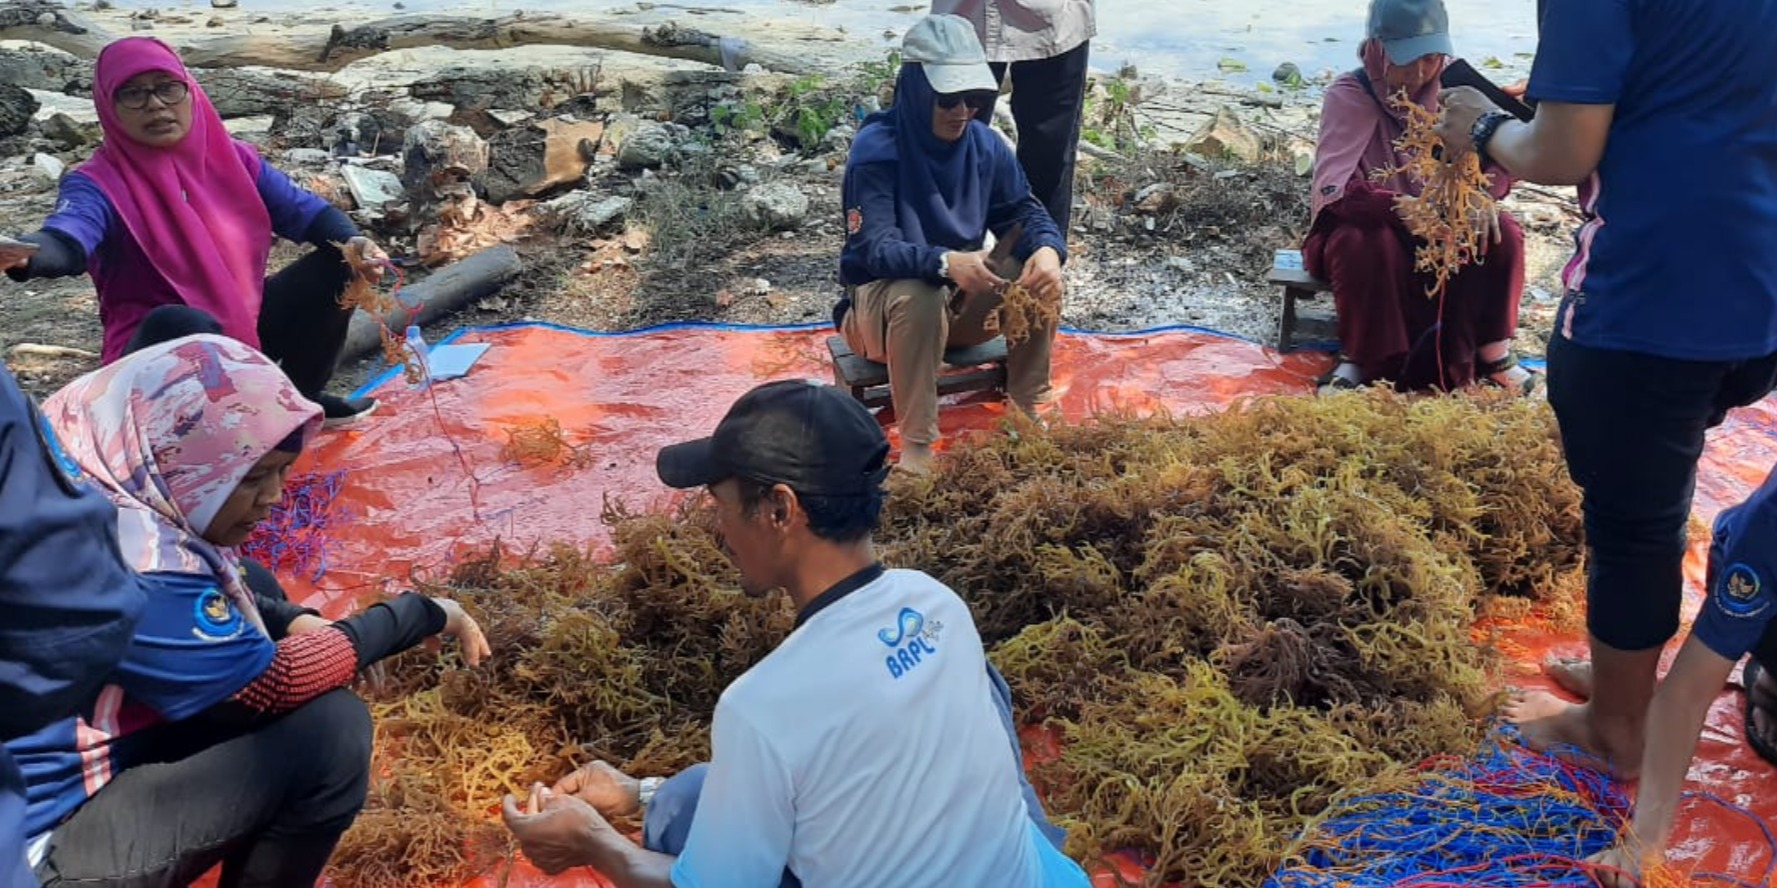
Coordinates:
(1482,132)
(646,788)
(944,265)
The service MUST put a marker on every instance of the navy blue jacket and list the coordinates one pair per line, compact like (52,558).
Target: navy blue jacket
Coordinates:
(69,602)
(876,248)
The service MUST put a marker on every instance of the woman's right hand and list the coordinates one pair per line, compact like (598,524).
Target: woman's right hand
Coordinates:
(462,627)
(971,274)
(15,254)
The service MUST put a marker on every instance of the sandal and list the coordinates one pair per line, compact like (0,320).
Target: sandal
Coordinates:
(1331,382)
(1486,370)
(1761,744)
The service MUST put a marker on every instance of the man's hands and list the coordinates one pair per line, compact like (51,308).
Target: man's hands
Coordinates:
(1042,275)
(462,627)
(1462,107)
(609,791)
(971,274)
(366,258)
(557,832)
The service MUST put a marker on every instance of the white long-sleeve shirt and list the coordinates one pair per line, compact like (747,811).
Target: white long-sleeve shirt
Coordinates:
(1025,30)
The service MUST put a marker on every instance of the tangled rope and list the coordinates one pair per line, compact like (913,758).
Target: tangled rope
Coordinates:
(298,536)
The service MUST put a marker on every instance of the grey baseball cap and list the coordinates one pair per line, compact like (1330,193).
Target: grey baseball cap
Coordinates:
(1410,29)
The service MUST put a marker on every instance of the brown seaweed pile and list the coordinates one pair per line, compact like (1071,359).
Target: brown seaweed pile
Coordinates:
(1225,620)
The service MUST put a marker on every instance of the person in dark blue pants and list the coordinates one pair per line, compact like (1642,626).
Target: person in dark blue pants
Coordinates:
(70,601)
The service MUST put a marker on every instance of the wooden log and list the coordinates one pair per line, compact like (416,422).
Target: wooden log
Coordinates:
(452,287)
(49,23)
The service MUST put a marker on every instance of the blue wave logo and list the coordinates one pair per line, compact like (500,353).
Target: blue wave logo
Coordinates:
(908,625)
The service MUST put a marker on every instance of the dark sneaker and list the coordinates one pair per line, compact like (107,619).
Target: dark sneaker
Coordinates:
(344,411)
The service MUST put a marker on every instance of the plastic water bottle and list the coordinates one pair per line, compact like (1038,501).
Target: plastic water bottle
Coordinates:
(418,372)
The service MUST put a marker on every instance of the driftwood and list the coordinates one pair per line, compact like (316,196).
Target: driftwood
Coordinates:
(38,350)
(51,24)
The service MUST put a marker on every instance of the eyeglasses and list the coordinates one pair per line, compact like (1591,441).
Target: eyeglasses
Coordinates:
(169,92)
(975,100)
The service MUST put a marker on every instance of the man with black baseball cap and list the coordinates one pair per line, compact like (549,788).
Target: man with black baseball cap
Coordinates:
(872,748)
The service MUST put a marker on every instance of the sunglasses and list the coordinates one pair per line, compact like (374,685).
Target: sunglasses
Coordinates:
(169,92)
(975,100)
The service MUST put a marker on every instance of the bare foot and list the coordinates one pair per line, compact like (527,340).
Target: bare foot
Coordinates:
(1556,727)
(916,459)
(1572,674)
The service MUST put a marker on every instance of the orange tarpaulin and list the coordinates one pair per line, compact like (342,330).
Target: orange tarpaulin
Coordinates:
(427,479)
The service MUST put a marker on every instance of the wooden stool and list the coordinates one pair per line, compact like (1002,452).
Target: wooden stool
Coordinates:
(971,369)
(1299,284)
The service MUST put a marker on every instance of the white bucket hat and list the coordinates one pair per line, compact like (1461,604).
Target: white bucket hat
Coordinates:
(946,47)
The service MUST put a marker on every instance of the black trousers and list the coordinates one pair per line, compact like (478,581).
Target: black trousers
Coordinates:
(301,323)
(1633,426)
(268,804)
(1048,96)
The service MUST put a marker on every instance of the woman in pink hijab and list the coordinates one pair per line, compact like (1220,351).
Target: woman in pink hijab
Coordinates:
(174,220)
(1389,328)
(227,735)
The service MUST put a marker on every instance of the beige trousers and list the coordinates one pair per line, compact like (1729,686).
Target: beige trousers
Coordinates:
(908,324)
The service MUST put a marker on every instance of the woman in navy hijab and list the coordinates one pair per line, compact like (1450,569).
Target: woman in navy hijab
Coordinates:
(924,186)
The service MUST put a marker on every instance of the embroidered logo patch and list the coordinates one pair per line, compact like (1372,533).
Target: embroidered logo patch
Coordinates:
(215,617)
(854,220)
(1739,591)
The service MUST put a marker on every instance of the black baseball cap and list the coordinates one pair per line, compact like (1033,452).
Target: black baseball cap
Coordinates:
(813,438)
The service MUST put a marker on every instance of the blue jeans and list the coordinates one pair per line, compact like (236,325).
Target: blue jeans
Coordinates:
(667,823)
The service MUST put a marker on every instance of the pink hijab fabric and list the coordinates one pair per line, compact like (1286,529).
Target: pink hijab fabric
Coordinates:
(1357,132)
(193,208)
(168,433)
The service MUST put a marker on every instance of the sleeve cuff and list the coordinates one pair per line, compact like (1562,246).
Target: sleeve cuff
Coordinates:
(331,226)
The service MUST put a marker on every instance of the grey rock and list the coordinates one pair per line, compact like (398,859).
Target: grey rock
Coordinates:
(39,67)
(257,129)
(838,138)
(372,189)
(583,212)
(508,119)
(651,146)
(225,4)
(307,157)
(778,206)
(17,105)
(1286,72)
(70,131)
(49,165)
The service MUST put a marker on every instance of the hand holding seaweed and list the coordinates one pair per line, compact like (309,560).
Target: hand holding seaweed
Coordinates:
(1454,214)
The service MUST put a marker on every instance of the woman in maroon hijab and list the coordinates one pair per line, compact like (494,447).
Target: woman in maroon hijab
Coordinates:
(1389,327)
